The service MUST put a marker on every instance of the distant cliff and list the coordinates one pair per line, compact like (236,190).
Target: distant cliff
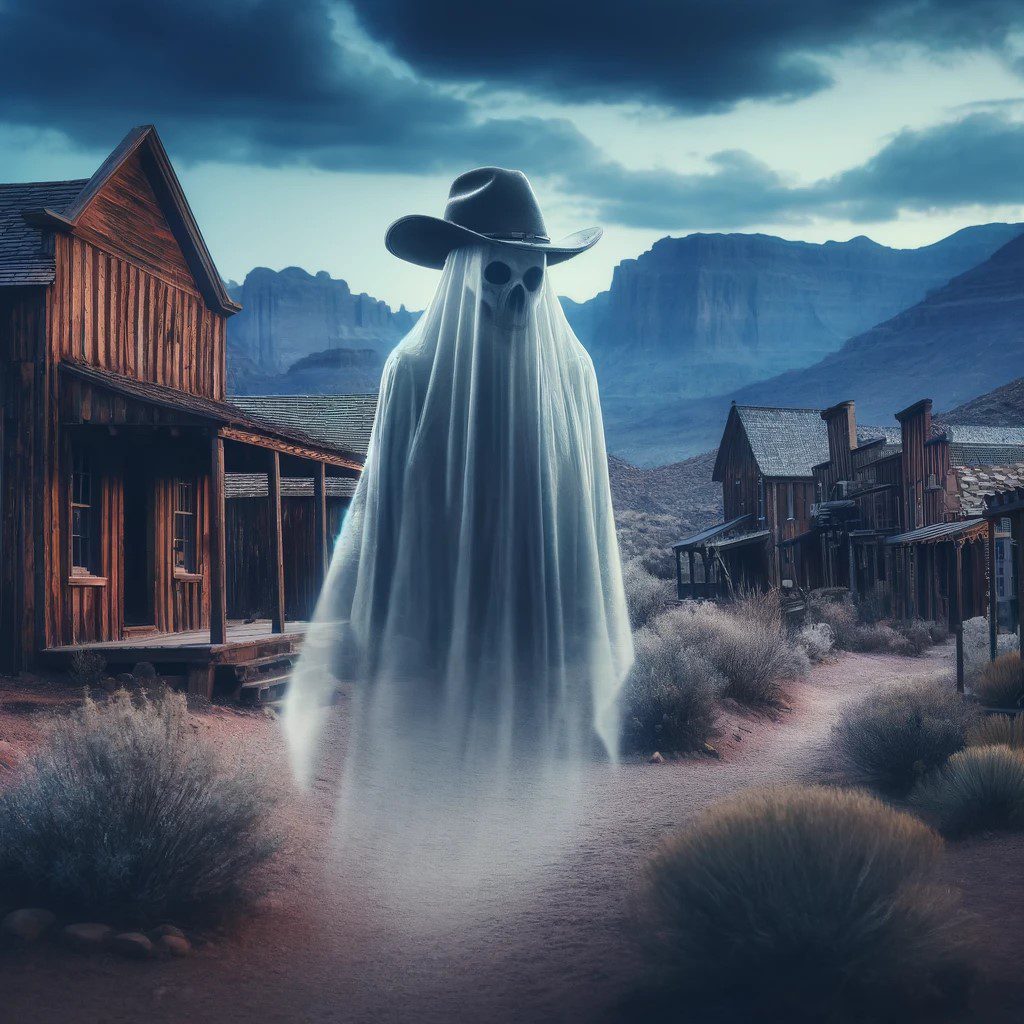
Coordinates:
(290,315)
(696,315)
(963,339)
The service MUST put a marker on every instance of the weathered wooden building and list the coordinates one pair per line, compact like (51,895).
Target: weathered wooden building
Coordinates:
(765,466)
(117,437)
(1004,514)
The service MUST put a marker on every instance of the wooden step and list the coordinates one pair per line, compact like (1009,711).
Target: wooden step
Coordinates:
(265,691)
(257,668)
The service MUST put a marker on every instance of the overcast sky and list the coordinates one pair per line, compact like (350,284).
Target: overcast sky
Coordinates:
(302,128)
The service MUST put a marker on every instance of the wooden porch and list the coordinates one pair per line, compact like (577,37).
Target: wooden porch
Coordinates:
(252,662)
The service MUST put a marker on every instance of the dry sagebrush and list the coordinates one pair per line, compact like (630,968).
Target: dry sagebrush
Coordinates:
(804,904)
(1000,683)
(647,596)
(891,737)
(978,788)
(997,730)
(127,815)
(669,699)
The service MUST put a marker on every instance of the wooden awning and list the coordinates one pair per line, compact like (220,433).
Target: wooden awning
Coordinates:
(103,397)
(959,532)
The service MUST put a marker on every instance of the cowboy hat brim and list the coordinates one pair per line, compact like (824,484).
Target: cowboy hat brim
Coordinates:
(426,241)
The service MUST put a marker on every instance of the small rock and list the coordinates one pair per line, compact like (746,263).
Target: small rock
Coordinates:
(134,945)
(174,945)
(27,925)
(710,750)
(87,937)
(737,736)
(166,929)
(656,758)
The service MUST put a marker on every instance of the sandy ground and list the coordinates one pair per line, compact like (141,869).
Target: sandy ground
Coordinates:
(556,948)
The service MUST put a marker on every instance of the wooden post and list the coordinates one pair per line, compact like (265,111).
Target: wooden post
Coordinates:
(320,516)
(1017,533)
(960,658)
(692,563)
(277,542)
(218,557)
(993,605)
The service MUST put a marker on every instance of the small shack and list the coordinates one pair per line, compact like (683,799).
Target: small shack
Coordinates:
(117,438)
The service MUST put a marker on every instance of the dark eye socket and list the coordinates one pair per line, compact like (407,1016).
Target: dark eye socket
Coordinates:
(532,278)
(498,272)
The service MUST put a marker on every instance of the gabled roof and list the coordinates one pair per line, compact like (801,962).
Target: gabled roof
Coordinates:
(23,256)
(785,442)
(58,206)
(343,420)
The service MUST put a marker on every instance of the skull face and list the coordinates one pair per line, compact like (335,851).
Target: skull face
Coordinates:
(511,284)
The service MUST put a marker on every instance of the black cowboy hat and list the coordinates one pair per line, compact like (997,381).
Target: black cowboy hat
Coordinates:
(490,204)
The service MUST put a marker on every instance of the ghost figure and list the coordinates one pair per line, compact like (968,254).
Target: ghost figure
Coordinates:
(474,600)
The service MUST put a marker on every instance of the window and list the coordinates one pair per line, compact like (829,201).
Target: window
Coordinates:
(184,544)
(83,515)
(789,502)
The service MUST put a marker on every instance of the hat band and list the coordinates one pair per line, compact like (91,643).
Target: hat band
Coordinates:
(515,236)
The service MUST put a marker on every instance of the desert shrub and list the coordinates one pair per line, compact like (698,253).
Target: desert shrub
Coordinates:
(817,640)
(895,734)
(648,538)
(668,701)
(1000,683)
(938,632)
(740,642)
(804,904)
(858,626)
(127,815)
(1007,730)
(978,788)
(647,596)
(976,644)
(87,668)
(916,632)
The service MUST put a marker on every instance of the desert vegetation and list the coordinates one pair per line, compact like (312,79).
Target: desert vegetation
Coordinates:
(893,736)
(1002,730)
(863,625)
(1000,683)
(979,788)
(126,815)
(804,904)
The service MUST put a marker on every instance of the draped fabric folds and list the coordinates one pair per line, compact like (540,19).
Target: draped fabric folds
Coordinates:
(474,600)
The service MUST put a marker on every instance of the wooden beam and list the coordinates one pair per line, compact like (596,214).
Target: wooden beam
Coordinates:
(289,448)
(320,517)
(993,603)
(218,555)
(277,543)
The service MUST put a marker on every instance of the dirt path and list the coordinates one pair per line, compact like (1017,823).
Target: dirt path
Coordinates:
(557,949)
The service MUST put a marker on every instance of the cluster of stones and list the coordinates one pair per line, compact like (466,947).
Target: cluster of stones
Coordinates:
(23,927)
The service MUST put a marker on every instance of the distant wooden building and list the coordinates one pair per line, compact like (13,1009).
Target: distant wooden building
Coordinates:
(117,436)
(765,466)
(1004,514)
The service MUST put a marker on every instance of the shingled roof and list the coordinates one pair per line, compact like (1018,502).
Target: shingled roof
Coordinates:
(974,483)
(785,442)
(982,445)
(23,259)
(341,420)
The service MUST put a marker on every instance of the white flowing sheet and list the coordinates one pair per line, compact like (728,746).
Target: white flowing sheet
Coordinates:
(474,602)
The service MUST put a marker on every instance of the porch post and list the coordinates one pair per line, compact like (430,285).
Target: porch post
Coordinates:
(993,605)
(218,557)
(277,542)
(1017,533)
(692,562)
(320,517)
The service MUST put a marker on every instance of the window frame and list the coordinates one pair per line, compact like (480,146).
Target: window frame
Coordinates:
(184,528)
(83,511)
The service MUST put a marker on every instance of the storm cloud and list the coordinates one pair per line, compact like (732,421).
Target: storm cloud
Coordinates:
(299,83)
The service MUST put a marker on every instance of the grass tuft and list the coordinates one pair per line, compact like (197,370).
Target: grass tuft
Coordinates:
(804,904)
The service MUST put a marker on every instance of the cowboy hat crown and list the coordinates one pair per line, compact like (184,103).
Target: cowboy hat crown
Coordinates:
(488,204)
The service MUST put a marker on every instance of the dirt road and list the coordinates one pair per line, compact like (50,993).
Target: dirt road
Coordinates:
(558,948)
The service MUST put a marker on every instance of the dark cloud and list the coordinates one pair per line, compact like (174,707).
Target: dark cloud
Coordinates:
(692,55)
(283,82)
